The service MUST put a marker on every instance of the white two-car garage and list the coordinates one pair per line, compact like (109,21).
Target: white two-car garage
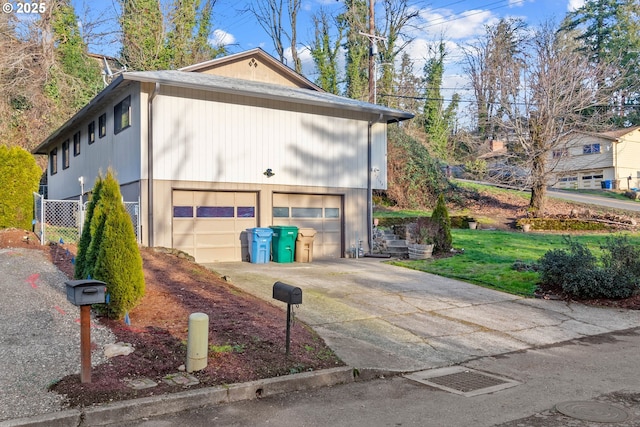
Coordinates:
(211,225)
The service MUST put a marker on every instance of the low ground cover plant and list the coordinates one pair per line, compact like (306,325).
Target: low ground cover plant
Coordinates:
(579,273)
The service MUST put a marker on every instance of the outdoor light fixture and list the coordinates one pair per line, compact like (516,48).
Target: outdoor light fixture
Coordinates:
(269,173)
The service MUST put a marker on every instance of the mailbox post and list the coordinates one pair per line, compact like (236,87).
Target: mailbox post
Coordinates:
(290,295)
(83,293)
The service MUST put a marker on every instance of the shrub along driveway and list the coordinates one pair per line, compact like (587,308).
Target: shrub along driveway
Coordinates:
(375,315)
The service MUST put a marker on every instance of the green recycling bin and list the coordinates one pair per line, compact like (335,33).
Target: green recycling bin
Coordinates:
(283,242)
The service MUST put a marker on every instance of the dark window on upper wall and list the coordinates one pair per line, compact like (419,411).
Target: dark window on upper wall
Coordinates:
(91,132)
(53,161)
(65,154)
(122,115)
(102,125)
(76,144)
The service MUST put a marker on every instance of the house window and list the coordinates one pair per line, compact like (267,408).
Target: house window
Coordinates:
(102,125)
(122,115)
(65,154)
(53,161)
(76,144)
(560,153)
(91,132)
(591,149)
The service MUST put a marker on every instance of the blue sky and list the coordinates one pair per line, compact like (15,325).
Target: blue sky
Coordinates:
(460,21)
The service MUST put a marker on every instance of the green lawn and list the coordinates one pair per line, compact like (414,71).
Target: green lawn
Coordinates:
(489,257)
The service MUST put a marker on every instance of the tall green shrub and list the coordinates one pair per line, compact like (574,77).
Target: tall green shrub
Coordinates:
(85,238)
(19,179)
(440,216)
(115,251)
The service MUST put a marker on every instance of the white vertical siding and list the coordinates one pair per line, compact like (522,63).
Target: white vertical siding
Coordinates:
(121,151)
(201,136)
(379,156)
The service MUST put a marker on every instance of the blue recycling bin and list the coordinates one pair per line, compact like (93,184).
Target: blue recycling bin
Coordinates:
(607,184)
(259,240)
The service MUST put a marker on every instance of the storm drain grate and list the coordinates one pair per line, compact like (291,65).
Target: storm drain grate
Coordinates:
(461,380)
(466,381)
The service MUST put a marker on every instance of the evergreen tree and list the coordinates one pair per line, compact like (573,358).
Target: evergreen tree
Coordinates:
(85,238)
(118,261)
(357,49)
(440,216)
(324,52)
(608,32)
(19,179)
(74,78)
(142,35)
(438,120)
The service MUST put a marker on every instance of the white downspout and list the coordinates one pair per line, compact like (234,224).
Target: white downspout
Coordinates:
(150,231)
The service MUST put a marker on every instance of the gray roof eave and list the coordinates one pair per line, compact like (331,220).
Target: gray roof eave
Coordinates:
(42,147)
(228,85)
(231,86)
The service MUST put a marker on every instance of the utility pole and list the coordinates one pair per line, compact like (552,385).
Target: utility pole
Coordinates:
(372,53)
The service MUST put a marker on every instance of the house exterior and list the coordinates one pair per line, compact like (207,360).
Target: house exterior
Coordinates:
(597,160)
(230,144)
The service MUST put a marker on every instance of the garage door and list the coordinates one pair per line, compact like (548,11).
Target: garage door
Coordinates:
(321,212)
(210,225)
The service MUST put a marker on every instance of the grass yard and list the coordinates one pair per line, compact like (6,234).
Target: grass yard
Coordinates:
(490,255)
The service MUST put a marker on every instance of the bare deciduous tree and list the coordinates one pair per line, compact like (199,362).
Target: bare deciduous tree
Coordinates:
(270,16)
(557,88)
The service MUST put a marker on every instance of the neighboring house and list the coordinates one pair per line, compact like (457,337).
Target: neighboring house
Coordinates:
(597,160)
(226,145)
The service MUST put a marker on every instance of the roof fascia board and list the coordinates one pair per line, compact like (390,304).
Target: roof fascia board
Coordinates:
(381,112)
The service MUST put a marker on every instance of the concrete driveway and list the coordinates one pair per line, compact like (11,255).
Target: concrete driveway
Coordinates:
(375,315)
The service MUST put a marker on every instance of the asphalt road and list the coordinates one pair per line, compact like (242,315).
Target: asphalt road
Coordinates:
(595,200)
(596,369)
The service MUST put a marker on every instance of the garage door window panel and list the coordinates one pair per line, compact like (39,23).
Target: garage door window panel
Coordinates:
(246,212)
(183,211)
(215,212)
(306,212)
(280,212)
(332,213)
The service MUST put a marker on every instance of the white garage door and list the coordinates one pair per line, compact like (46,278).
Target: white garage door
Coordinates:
(320,212)
(210,225)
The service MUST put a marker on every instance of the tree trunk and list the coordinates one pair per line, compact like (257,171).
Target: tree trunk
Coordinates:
(538,187)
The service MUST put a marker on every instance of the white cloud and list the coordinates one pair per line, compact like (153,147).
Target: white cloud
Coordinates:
(574,4)
(455,26)
(222,38)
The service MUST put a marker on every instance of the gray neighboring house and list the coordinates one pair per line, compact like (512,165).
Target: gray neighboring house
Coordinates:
(229,144)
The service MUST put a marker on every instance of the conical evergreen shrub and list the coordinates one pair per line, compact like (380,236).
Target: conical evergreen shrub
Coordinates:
(442,240)
(113,255)
(85,238)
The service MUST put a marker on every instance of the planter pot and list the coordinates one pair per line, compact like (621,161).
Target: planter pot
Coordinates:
(526,227)
(418,251)
(473,225)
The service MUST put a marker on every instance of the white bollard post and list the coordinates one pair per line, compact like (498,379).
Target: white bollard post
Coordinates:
(197,342)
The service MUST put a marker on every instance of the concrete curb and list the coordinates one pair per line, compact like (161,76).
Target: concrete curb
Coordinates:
(129,410)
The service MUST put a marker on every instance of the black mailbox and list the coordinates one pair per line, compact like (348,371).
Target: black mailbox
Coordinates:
(287,293)
(86,292)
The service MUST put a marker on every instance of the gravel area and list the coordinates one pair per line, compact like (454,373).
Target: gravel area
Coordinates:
(39,334)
